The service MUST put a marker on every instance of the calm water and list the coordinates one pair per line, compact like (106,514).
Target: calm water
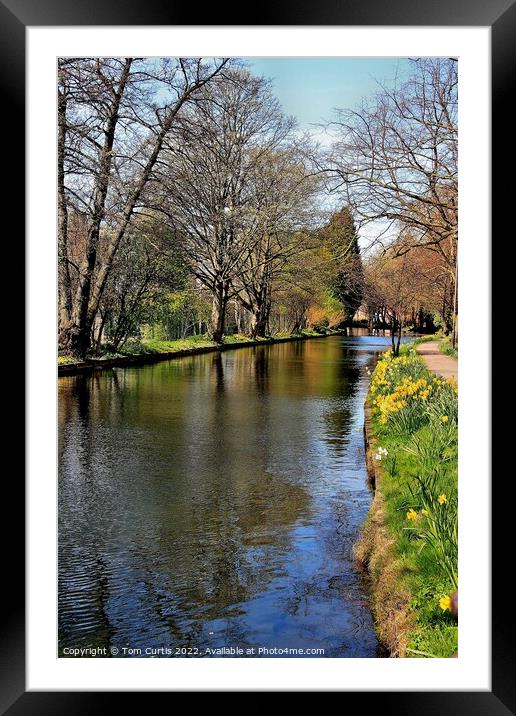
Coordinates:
(212,501)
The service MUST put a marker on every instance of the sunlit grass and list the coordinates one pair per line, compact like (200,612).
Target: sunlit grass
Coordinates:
(148,346)
(65,360)
(157,346)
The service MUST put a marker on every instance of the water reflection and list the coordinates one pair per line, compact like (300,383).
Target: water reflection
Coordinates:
(213,501)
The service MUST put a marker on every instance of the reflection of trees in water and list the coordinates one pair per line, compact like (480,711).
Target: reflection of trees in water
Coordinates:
(261,369)
(166,484)
(338,416)
(337,422)
(271,370)
(239,515)
(201,562)
(218,373)
(298,348)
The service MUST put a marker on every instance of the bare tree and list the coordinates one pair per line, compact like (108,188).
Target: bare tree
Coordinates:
(283,190)
(396,286)
(210,176)
(113,118)
(396,158)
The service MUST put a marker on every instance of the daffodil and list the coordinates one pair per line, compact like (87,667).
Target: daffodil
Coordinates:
(445,603)
(444,418)
(412,515)
(442,499)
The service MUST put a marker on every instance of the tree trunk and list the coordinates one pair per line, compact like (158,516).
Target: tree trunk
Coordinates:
(258,326)
(421,320)
(238,316)
(394,325)
(398,340)
(98,338)
(65,286)
(455,317)
(218,312)
(259,320)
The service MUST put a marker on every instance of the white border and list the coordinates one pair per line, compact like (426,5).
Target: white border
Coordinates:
(471,671)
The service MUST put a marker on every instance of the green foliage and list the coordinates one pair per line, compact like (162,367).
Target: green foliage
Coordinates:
(346,283)
(437,524)
(423,339)
(436,634)
(149,265)
(330,302)
(180,314)
(446,348)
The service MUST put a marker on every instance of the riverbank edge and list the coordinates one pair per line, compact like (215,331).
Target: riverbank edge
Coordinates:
(94,364)
(374,557)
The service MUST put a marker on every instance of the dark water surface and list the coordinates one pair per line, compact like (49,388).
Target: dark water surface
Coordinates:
(212,501)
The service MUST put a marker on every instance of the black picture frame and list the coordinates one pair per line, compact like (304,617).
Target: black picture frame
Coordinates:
(500,15)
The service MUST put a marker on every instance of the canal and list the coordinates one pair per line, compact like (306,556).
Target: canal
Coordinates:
(211,502)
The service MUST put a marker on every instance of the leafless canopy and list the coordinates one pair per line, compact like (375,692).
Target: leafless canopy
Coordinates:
(232,182)
(396,158)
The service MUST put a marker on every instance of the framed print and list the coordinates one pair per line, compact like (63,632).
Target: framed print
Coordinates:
(254,251)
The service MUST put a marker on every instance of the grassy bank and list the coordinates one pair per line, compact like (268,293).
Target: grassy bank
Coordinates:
(445,347)
(181,344)
(409,540)
(153,349)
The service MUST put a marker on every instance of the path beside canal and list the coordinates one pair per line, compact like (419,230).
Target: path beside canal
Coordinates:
(438,362)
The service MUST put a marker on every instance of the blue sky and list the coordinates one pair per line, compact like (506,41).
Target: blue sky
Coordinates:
(311,87)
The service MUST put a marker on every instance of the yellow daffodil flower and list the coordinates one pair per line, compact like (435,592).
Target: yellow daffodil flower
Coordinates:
(445,603)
